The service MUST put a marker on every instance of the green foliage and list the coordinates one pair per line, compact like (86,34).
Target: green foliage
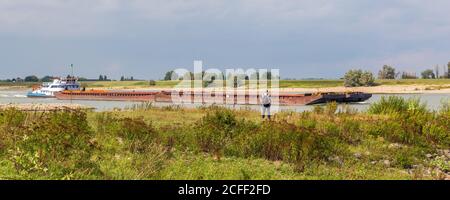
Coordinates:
(367,79)
(410,122)
(441,163)
(47,79)
(396,104)
(356,78)
(428,74)
(405,157)
(31,78)
(152,82)
(56,144)
(168,75)
(146,142)
(330,108)
(387,72)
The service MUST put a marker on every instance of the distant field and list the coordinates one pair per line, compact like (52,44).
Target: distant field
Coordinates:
(310,83)
(23,84)
(130,84)
(414,82)
(283,83)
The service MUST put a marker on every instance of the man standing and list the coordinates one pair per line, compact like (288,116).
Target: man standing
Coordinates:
(266,101)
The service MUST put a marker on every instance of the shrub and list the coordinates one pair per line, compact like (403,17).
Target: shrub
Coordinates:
(396,104)
(135,134)
(330,108)
(318,109)
(404,158)
(437,132)
(215,129)
(56,144)
(152,83)
(350,131)
(356,78)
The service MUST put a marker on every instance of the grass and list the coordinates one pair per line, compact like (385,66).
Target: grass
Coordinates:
(146,142)
(129,84)
(310,83)
(415,82)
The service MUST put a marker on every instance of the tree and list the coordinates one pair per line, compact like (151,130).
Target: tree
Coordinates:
(387,72)
(100,78)
(428,74)
(31,78)
(105,78)
(367,79)
(152,82)
(436,69)
(406,75)
(356,78)
(168,76)
(47,79)
(122,78)
(448,70)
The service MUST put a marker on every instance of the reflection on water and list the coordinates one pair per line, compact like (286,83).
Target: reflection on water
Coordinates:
(19,96)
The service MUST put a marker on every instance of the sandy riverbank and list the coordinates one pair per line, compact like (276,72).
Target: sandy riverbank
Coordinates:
(382,89)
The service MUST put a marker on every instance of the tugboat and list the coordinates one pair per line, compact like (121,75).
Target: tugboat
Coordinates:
(49,89)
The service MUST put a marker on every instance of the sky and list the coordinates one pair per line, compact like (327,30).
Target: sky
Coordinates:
(146,38)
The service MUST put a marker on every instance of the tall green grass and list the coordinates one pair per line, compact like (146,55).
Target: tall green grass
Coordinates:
(320,144)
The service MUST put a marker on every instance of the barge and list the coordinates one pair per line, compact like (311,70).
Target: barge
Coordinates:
(203,97)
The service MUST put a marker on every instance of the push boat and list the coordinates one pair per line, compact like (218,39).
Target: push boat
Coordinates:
(49,89)
(202,97)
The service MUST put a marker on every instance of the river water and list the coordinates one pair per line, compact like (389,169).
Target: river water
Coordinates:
(433,101)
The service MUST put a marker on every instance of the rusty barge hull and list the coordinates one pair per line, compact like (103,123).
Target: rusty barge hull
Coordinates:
(195,97)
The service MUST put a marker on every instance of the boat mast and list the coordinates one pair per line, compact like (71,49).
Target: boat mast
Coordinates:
(71,66)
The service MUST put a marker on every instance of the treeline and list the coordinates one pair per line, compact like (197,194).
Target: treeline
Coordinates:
(253,76)
(238,78)
(34,78)
(357,77)
(389,72)
(48,78)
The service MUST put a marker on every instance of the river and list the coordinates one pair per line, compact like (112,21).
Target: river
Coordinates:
(433,101)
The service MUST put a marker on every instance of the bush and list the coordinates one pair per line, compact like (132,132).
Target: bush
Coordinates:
(330,108)
(395,104)
(220,132)
(356,78)
(134,134)
(215,129)
(56,144)
(290,143)
(152,83)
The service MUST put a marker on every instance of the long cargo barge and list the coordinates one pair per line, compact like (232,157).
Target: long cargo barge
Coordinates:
(202,97)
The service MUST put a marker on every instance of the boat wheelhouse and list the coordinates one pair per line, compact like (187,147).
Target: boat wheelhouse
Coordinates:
(49,89)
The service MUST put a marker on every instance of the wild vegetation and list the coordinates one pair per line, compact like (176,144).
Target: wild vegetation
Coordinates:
(396,139)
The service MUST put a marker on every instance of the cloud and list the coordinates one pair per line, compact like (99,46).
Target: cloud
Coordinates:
(55,17)
(393,19)
(295,34)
